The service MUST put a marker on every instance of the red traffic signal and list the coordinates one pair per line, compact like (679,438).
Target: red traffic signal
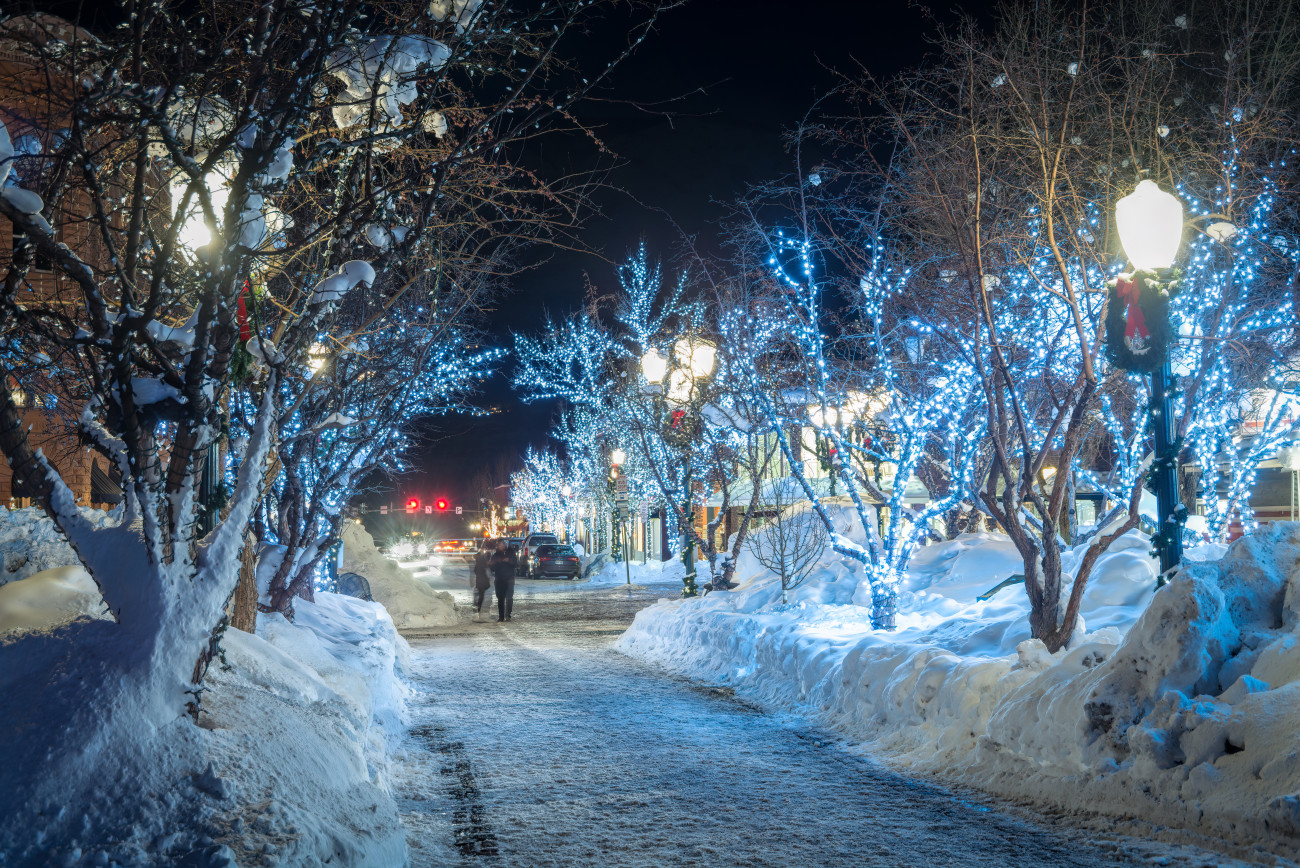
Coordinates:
(413,504)
(442,503)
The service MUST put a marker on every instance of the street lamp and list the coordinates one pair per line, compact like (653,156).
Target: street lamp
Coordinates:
(654,366)
(1150,226)
(566,490)
(693,359)
(617,457)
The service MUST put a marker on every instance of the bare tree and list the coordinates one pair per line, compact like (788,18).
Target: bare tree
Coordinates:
(791,541)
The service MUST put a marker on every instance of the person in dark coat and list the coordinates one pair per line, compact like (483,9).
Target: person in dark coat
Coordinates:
(482,580)
(503,566)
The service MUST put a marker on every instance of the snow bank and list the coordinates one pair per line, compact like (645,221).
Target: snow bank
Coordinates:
(411,603)
(1177,706)
(49,599)
(300,719)
(30,543)
(287,765)
(651,573)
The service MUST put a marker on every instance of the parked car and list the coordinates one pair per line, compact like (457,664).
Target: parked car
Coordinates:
(548,561)
(531,542)
(461,550)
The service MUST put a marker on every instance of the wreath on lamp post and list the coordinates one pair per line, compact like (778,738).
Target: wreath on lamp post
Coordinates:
(1138,330)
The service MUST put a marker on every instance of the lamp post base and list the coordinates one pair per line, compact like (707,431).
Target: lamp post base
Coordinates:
(1168,538)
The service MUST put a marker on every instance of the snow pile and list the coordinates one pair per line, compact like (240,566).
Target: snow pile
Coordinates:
(300,718)
(30,543)
(49,599)
(1180,706)
(288,762)
(671,571)
(411,603)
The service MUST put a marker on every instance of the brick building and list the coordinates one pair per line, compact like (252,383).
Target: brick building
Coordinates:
(33,100)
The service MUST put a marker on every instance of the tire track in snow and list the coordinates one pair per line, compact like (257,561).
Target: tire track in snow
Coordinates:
(473,834)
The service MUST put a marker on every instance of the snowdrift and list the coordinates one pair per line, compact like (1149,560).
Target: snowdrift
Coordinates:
(671,571)
(288,762)
(1178,706)
(30,543)
(411,603)
(49,599)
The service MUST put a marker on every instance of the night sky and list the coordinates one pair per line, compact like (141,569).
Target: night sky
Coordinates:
(745,72)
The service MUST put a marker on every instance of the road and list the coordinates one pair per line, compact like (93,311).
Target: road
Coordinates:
(533,743)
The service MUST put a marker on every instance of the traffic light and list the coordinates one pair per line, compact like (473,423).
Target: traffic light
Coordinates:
(442,504)
(413,505)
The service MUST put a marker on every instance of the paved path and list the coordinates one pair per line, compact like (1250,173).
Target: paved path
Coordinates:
(533,743)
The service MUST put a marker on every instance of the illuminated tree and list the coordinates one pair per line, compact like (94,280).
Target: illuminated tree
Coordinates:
(224,177)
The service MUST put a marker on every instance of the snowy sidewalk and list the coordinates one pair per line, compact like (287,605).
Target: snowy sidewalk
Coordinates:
(534,743)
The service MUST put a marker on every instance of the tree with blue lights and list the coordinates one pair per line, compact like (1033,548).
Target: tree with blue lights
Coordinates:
(994,214)
(221,180)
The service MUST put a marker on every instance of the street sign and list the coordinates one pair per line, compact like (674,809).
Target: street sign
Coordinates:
(459,510)
(620,487)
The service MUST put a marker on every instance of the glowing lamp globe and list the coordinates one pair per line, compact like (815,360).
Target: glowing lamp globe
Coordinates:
(823,418)
(654,366)
(566,489)
(1150,224)
(696,355)
(618,456)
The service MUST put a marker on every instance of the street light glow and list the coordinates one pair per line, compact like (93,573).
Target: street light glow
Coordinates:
(696,355)
(654,366)
(1150,224)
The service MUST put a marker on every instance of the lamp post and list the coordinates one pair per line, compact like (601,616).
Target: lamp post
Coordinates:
(691,366)
(193,235)
(567,490)
(823,416)
(1150,226)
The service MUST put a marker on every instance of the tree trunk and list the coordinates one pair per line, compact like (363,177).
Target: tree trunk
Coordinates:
(244,608)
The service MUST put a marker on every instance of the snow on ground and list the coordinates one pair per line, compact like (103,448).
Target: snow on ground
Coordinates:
(411,601)
(30,543)
(287,765)
(533,745)
(649,573)
(1178,706)
(48,599)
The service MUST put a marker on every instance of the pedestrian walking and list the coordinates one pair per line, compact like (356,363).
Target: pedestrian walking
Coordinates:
(482,581)
(503,565)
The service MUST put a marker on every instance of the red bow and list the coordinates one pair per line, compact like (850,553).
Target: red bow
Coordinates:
(241,314)
(677,417)
(1129,291)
